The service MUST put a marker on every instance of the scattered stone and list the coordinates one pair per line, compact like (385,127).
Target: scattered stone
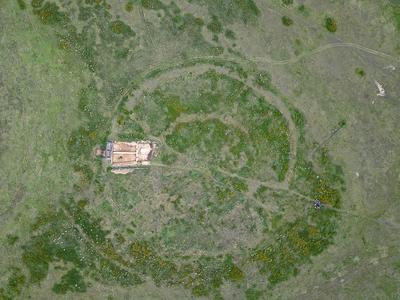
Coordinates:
(317,204)
(382,92)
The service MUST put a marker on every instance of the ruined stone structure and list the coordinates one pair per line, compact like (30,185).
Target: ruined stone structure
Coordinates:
(125,156)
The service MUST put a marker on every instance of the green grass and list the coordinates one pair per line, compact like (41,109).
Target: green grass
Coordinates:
(129,6)
(231,10)
(215,26)
(314,230)
(39,126)
(229,34)
(12,239)
(152,4)
(287,2)
(21,4)
(395,5)
(203,220)
(120,27)
(72,281)
(49,13)
(264,80)
(163,107)
(130,130)
(168,158)
(253,294)
(90,250)
(301,240)
(14,285)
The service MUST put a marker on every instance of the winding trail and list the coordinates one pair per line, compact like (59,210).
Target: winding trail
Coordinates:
(279,187)
(173,71)
(322,49)
(176,70)
(173,74)
(259,59)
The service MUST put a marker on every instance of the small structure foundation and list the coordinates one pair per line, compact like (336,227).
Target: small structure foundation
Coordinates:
(124,157)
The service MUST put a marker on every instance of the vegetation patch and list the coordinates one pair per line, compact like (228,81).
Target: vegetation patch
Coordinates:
(15,283)
(231,10)
(120,27)
(261,125)
(48,13)
(72,281)
(264,80)
(215,26)
(229,34)
(360,72)
(330,24)
(287,2)
(21,4)
(176,222)
(287,21)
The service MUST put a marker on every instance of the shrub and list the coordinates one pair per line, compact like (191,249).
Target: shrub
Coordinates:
(71,281)
(287,2)
(129,6)
(215,25)
(330,24)
(49,13)
(360,72)
(287,21)
(152,4)
(120,27)
(229,34)
(21,4)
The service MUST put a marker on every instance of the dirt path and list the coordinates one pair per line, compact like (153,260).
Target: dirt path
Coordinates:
(173,74)
(322,49)
(175,71)
(281,187)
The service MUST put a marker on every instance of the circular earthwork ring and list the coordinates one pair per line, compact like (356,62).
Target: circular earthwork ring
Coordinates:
(152,79)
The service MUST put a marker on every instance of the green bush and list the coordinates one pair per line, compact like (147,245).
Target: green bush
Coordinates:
(232,272)
(49,13)
(360,72)
(215,25)
(264,79)
(21,4)
(153,4)
(287,2)
(11,239)
(120,27)
(229,34)
(14,285)
(129,6)
(287,21)
(70,282)
(330,24)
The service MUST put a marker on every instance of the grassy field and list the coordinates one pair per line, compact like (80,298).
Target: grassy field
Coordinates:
(258,109)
